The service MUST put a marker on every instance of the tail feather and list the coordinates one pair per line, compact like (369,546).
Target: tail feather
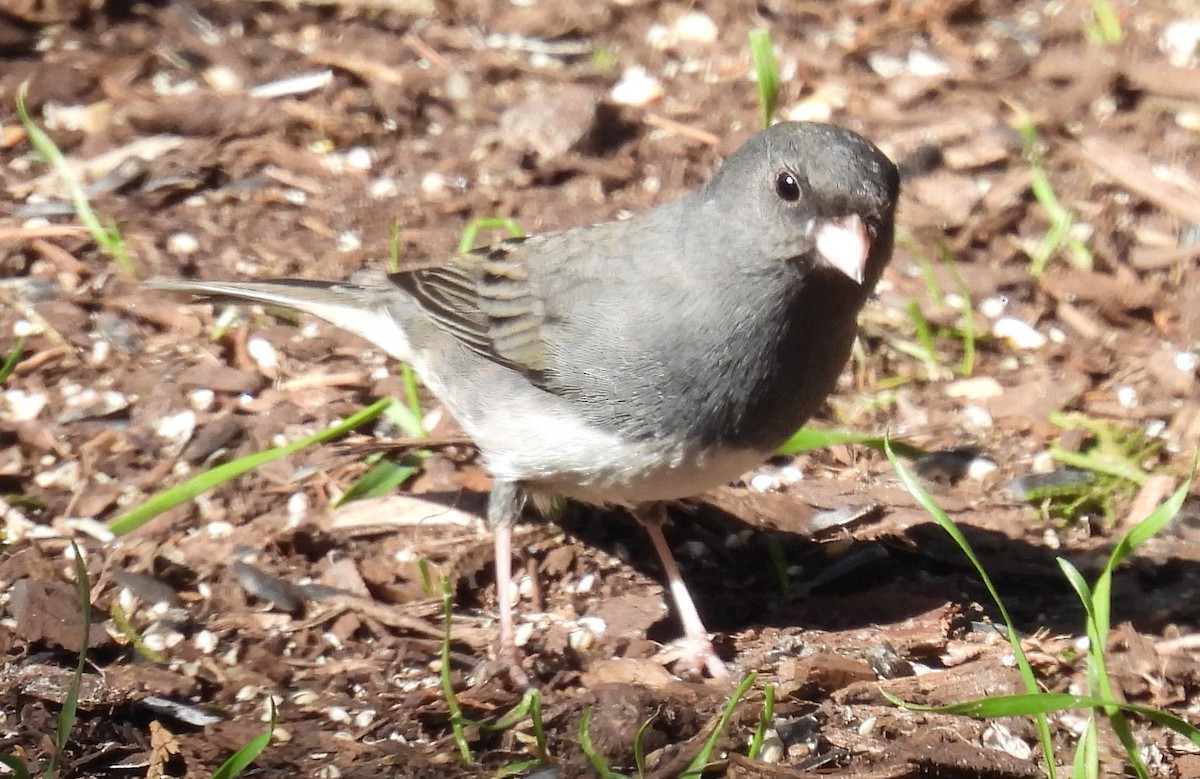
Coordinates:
(357,309)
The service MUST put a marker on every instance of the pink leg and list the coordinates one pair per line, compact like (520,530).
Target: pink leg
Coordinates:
(503,507)
(698,645)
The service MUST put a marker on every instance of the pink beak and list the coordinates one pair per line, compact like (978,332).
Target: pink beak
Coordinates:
(843,242)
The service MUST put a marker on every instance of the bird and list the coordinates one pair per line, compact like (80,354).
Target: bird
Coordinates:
(633,363)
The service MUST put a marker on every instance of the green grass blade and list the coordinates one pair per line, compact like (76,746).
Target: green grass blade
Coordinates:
(924,333)
(169,498)
(1084,461)
(16,765)
(927,502)
(1137,535)
(70,707)
(107,238)
(967,366)
(457,721)
(1042,703)
(589,749)
(806,439)
(467,242)
(412,394)
(1087,756)
(1105,27)
(14,357)
(639,747)
(529,707)
(241,759)
(702,759)
(395,248)
(121,620)
(1061,220)
(381,479)
(765,720)
(762,59)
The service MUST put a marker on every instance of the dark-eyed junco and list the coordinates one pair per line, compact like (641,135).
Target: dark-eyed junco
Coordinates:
(636,362)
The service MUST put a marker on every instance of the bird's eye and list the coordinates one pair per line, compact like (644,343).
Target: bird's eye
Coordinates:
(787,187)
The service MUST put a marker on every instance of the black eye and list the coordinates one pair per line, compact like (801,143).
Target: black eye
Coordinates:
(787,187)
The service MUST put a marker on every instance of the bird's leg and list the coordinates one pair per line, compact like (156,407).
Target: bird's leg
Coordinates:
(698,646)
(504,508)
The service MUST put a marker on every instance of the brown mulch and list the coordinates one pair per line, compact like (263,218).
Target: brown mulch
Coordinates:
(240,140)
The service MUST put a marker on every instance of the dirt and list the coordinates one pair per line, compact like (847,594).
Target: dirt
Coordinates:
(421,116)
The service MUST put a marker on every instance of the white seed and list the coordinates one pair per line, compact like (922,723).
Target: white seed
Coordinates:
(359,158)
(337,714)
(263,354)
(926,64)
(178,426)
(182,244)
(223,79)
(433,184)
(297,509)
(101,350)
(636,88)
(763,482)
(980,467)
(1018,333)
(202,399)
(523,633)
(22,406)
(976,388)
(993,308)
(64,477)
(585,584)
(977,417)
(349,241)
(1180,41)
(205,641)
(383,188)
(696,27)
(219,529)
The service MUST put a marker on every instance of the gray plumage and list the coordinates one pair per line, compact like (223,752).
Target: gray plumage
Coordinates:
(648,359)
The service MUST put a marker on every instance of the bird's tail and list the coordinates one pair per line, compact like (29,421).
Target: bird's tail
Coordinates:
(358,309)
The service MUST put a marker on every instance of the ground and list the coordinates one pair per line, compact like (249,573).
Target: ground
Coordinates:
(183,120)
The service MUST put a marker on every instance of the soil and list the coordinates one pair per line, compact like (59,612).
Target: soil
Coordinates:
(256,140)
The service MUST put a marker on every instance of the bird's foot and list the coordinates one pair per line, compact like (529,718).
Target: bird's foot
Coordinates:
(694,656)
(698,654)
(507,664)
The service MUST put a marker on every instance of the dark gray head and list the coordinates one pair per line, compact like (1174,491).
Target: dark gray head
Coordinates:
(813,194)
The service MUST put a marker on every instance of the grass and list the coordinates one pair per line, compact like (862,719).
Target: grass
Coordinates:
(1103,475)
(70,706)
(1101,702)
(1058,238)
(240,760)
(1104,27)
(529,708)
(169,498)
(766,71)
(104,233)
(697,765)
(57,763)
(11,360)
(470,235)
(928,337)
(123,623)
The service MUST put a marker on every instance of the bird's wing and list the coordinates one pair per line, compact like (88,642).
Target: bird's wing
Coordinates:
(487,300)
